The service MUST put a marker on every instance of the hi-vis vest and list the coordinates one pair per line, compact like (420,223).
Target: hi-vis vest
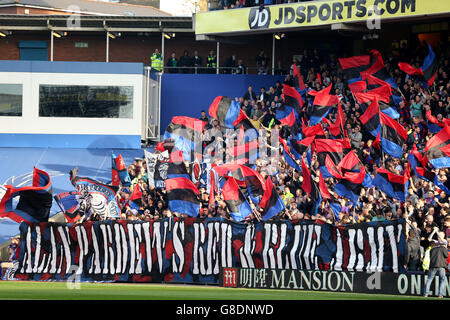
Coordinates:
(156,62)
(426,260)
(211,62)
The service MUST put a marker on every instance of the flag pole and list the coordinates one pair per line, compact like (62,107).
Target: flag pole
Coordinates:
(398,89)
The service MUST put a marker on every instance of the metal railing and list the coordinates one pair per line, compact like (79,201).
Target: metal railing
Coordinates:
(223,70)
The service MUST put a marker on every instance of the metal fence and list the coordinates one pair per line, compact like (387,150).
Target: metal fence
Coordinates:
(224,70)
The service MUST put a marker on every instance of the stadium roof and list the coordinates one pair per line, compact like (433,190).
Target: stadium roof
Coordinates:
(87,7)
(96,23)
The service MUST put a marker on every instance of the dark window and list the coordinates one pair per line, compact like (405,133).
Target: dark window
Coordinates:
(33,50)
(85,101)
(10,100)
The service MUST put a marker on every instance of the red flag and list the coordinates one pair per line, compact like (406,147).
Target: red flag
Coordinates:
(357,86)
(298,80)
(306,185)
(323,187)
(137,193)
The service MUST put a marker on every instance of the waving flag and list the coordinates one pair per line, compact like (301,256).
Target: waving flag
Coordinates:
(292,97)
(290,159)
(322,105)
(313,131)
(182,195)
(350,180)
(375,153)
(119,171)
(243,124)
(437,149)
(365,99)
(252,180)
(75,205)
(237,204)
(416,161)
(427,72)
(297,148)
(34,202)
(380,88)
(353,66)
(286,115)
(168,145)
(335,206)
(225,110)
(186,133)
(378,69)
(392,134)
(337,129)
(310,187)
(246,153)
(299,84)
(395,186)
(358,86)
(435,125)
(335,148)
(271,203)
(69,203)
(157,164)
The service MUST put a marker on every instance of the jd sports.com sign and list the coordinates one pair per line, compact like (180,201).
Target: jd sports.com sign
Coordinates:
(335,281)
(259,18)
(309,14)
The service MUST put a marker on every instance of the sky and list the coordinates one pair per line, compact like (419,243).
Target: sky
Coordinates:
(178,7)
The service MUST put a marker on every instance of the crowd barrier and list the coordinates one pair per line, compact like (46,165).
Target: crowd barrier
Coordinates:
(193,250)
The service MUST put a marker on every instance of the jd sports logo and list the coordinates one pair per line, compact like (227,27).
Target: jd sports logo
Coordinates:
(259,18)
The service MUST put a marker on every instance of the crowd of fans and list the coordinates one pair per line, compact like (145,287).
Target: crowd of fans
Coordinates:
(426,209)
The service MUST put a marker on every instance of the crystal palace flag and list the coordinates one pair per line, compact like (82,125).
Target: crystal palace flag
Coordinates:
(416,161)
(297,147)
(119,171)
(186,133)
(392,134)
(311,187)
(182,195)
(394,185)
(313,131)
(365,99)
(292,97)
(288,156)
(353,66)
(69,203)
(437,149)
(252,180)
(350,175)
(286,115)
(271,203)
(427,72)
(378,69)
(337,129)
(323,102)
(299,84)
(34,202)
(235,200)
(225,110)
(335,148)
